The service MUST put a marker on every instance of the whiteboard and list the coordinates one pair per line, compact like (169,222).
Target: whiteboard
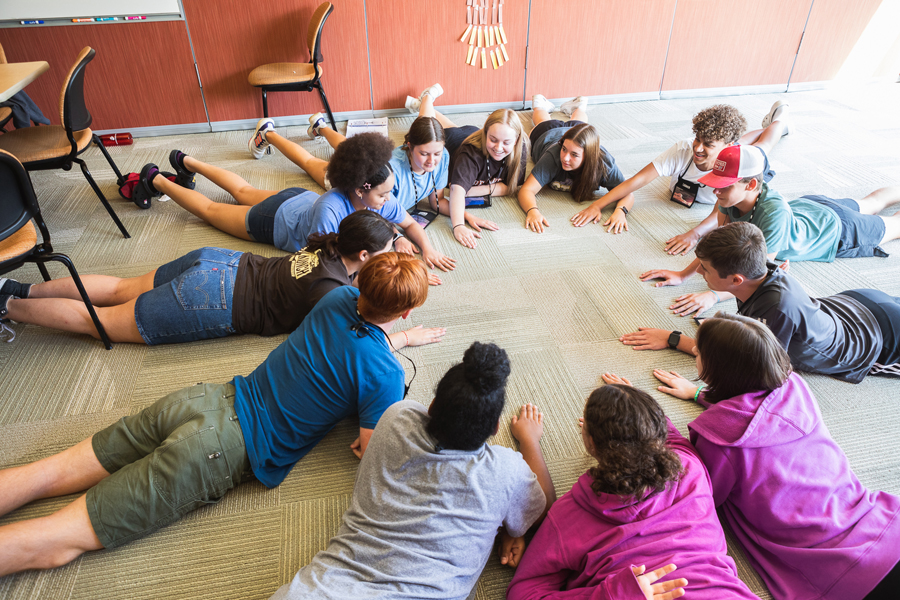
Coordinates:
(72,9)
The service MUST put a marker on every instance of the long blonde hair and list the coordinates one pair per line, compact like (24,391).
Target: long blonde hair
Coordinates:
(522,147)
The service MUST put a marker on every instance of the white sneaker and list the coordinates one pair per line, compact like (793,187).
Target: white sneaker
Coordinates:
(258,144)
(538,102)
(434,91)
(413,104)
(315,121)
(780,111)
(572,105)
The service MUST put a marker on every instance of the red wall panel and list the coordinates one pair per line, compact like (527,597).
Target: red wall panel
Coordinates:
(232,37)
(596,47)
(141,76)
(415,44)
(834,28)
(724,43)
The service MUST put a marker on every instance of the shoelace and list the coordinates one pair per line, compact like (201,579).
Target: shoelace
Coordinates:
(4,328)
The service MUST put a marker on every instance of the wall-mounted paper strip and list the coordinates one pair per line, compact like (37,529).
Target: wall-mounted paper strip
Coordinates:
(502,33)
(474,56)
(473,37)
(494,59)
(466,34)
(500,58)
(469,15)
(480,38)
(469,55)
(483,59)
(503,50)
(490,36)
(500,19)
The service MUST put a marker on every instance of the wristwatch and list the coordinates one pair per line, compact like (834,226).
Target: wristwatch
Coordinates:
(674,338)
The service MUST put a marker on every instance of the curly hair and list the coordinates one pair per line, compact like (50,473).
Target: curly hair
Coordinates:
(629,432)
(469,398)
(359,160)
(721,122)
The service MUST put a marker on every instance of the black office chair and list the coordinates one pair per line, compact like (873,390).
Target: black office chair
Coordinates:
(58,146)
(297,77)
(18,238)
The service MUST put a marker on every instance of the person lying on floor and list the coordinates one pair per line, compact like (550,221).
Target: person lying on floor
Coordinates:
(212,292)
(813,228)
(806,523)
(848,335)
(431,494)
(190,447)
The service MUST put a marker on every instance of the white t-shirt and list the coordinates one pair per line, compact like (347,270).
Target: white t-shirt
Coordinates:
(678,160)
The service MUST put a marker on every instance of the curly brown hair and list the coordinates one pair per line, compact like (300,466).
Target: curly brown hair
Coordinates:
(629,432)
(358,160)
(721,122)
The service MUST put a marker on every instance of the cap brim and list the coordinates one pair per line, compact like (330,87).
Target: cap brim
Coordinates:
(716,181)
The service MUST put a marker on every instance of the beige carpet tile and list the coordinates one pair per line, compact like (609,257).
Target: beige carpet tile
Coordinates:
(306,528)
(57,583)
(328,470)
(494,580)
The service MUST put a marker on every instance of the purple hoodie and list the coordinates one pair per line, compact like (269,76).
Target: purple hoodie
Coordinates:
(586,546)
(805,521)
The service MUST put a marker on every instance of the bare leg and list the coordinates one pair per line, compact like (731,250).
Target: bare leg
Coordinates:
(72,315)
(103,289)
(764,139)
(72,470)
(879,200)
(47,542)
(579,114)
(298,155)
(891,227)
(232,183)
(331,136)
(442,119)
(539,115)
(229,218)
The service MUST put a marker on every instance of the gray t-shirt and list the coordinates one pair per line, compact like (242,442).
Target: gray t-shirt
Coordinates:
(548,165)
(422,521)
(835,335)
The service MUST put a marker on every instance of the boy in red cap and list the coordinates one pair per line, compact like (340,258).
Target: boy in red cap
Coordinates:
(813,228)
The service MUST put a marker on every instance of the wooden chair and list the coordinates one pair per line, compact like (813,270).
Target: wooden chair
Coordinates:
(18,237)
(58,146)
(297,77)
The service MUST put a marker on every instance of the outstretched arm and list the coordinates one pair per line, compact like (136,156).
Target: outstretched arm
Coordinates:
(432,257)
(527,198)
(591,214)
(417,336)
(528,427)
(647,338)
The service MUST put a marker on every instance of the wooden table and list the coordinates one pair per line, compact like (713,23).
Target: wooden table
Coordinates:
(15,76)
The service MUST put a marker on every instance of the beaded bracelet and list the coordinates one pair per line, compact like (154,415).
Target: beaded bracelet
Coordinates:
(405,336)
(697,393)
(530,209)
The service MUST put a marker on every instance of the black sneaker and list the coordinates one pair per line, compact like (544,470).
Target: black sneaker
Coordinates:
(183,176)
(14,288)
(144,191)
(4,298)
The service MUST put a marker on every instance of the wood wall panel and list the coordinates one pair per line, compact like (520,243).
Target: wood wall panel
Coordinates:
(415,43)
(597,47)
(724,43)
(141,76)
(833,29)
(232,37)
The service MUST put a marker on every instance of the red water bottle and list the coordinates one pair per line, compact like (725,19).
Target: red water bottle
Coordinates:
(116,139)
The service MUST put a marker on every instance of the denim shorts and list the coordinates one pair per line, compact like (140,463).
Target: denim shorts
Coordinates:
(542,128)
(860,234)
(191,299)
(182,452)
(260,219)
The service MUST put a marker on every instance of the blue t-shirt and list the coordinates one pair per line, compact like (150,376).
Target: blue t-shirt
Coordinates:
(407,183)
(297,218)
(798,230)
(322,373)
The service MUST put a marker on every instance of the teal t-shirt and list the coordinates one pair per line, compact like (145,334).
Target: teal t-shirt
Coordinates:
(798,230)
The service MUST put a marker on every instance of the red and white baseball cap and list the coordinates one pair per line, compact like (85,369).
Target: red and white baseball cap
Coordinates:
(733,163)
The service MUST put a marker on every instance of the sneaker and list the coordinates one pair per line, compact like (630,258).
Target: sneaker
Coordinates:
(315,122)
(144,191)
(4,298)
(780,111)
(183,176)
(258,144)
(538,102)
(434,91)
(413,104)
(571,106)
(13,288)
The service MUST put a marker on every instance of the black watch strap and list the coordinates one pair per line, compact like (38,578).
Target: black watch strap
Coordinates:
(674,338)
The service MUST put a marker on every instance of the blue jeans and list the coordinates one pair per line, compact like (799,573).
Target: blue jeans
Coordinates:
(191,298)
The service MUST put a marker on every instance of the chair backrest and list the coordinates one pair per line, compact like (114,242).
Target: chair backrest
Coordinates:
(314,32)
(73,111)
(2,55)
(18,204)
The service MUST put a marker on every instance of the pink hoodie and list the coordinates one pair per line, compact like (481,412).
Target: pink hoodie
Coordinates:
(586,546)
(805,521)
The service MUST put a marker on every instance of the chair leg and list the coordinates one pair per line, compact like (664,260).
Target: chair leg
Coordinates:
(325,102)
(119,178)
(265,104)
(43,271)
(109,209)
(84,295)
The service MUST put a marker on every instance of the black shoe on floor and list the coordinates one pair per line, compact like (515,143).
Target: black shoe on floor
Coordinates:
(144,191)
(183,176)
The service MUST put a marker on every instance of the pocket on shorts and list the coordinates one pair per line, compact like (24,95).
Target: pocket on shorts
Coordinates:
(191,471)
(202,289)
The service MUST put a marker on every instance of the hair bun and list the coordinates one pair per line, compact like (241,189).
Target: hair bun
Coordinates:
(486,367)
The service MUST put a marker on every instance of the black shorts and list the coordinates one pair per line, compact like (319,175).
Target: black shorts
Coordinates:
(260,220)
(541,128)
(886,310)
(455,136)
